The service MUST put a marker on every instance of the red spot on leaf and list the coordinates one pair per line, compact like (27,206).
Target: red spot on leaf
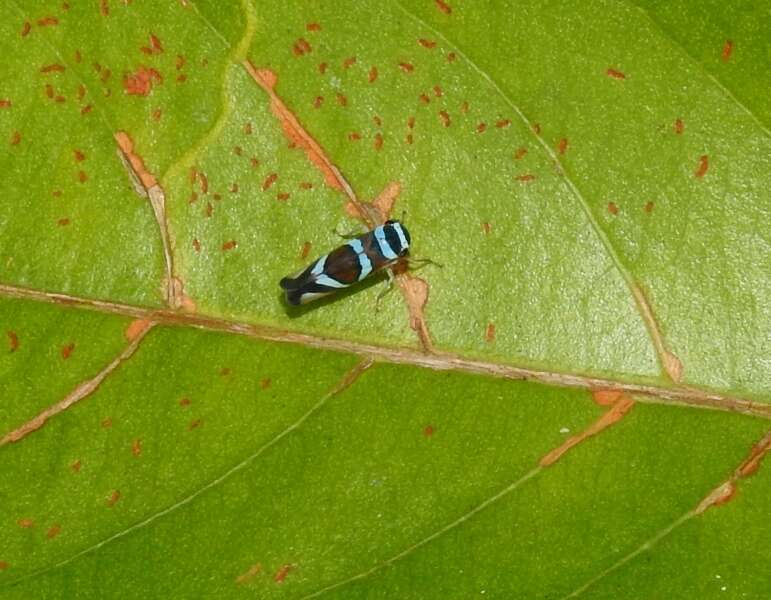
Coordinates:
(612,208)
(155,46)
(26,29)
(194,424)
(481,127)
(301,47)
(406,67)
(464,107)
(13,341)
(53,68)
(196,245)
(372,77)
(254,162)
(349,62)
(486,227)
(503,123)
(82,176)
(237,150)
(728,49)
(520,153)
(265,383)
(437,91)
(86,109)
(322,68)
(283,196)
(104,8)
(679,126)
(342,100)
(378,141)
(75,466)
(526,177)
(181,78)
(490,332)
(180,62)
(53,531)
(451,56)
(615,74)
(443,6)
(135,328)
(282,572)
(313,27)
(537,128)
(318,101)
(269,181)
(354,136)
(408,138)
(701,170)
(15,138)
(113,498)
(47,21)
(141,82)
(5,103)
(305,250)
(649,207)
(306,185)
(424,98)
(136,447)
(67,350)
(63,222)
(562,146)
(428,430)
(229,245)
(184,402)
(445,117)
(25,523)
(79,155)
(411,122)
(427,43)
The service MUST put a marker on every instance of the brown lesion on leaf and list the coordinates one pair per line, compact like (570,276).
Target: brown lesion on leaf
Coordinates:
(113,498)
(81,391)
(728,489)
(613,415)
(249,574)
(146,185)
(53,531)
(282,572)
(671,364)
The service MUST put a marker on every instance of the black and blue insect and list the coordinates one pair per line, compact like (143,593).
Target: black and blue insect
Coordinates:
(355,260)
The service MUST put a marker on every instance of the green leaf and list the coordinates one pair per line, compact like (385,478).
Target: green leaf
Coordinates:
(591,177)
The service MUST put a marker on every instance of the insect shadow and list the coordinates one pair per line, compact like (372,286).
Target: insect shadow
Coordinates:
(295,312)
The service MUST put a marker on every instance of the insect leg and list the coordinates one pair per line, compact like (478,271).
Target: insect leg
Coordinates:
(389,286)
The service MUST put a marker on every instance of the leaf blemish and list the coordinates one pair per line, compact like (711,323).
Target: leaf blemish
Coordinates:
(253,571)
(301,47)
(194,424)
(67,350)
(13,341)
(53,531)
(679,127)
(703,167)
(443,6)
(184,402)
(728,49)
(282,573)
(612,208)
(490,333)
(562,146)
(113,499)
(615,74)
(429,430)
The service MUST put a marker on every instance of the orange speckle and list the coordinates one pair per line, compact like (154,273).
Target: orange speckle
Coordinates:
(75,466)
(615,74)
(728,49)
(427,43)
(490,332)
(67,350)
(342,100)
(136,447)
(406,67)
(25,523)
(229,245)
(269,181)
(372,75)
(283,196)
(502,123)
(209,209)
(82,176)
(305,250)
(443,6)
(86,109)
(56,193)
(247,128)
(424,98)
(679,126)
(537,128)
(53,68)
(428,430)
(282,572)
(411,122)
(53,531)
(437,91)
(196,245)
(265,383)
(318,101)
(78,155)
(354,136)
(233,189)
(104,8)
(703,166)
(254,162)
(445,117)
(136,328)
(181,78)
(5,103)
(464,107)
(106,423)
(63,222)
(451,56)
(313,27)
(377,120)
(649,207)
(113,498)
(408,138)
(378,141)
(60,98)
(349,62)
(520,153)
(141,82)
(15,138)
(562,146)
(306,185)
(526,177)
(180,62)
(194,424)
(46,21)
(13,341)
(612,208)
(301,47)
(4,565)
(26,29)
(237,150)
(184,402)
(486,227)
(481,127)
(322,68)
